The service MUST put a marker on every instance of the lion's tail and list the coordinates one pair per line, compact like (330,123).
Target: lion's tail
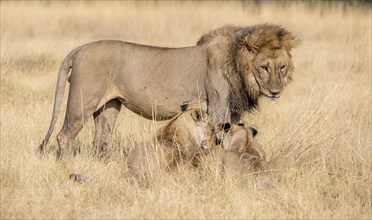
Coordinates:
(60,89)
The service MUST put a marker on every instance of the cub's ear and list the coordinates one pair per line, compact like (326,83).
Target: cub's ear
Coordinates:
(253,131)
(225,126)
(249,156)
(184,106)
(196,114)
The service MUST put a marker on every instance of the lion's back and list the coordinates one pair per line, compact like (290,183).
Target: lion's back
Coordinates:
(227,31)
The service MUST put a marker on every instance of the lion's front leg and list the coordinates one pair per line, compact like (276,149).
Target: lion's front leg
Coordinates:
(219,114)
(235,117)
(218,92)
(218,107)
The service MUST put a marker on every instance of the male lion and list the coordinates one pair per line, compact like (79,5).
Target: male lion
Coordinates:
(226,72)
(182,141)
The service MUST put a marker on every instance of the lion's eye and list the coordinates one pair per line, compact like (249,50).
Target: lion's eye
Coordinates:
(265,68)
(282,69)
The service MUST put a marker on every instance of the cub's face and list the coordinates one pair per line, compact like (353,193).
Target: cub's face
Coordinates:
(236,137)
(273,69)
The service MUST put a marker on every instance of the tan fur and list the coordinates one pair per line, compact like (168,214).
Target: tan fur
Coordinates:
(242,52)
(243,154)
(182,141)
(226,72)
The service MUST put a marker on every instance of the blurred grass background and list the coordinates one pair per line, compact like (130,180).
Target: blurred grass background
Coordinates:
(323,119)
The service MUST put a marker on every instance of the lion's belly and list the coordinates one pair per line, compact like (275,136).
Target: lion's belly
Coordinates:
(161,106)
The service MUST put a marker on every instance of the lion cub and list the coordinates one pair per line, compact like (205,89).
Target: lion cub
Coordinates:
(181,141)
(242,153)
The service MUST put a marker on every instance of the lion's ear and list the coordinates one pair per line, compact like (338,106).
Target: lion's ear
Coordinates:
(253,131)
(196,115)
(288,41)
(251,43)
(249,157)
(184,106)
(271,37)
(225,126)
(256,39)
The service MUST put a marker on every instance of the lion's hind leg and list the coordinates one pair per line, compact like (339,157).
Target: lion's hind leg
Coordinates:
(66,136)
(104,120)
(78,112)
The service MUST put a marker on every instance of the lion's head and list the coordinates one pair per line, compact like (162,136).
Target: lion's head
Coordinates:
(265,54)
(239,139)
(181,140)
(202,128)
(257,61)
(191,127)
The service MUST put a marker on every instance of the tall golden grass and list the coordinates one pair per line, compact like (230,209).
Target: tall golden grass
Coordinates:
(322,123)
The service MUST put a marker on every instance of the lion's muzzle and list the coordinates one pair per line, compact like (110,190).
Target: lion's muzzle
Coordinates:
(273,95)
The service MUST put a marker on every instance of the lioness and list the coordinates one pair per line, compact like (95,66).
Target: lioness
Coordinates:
(181,141)
(226,72)
(243,154)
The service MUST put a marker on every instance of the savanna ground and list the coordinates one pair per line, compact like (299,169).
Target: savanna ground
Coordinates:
(322,122)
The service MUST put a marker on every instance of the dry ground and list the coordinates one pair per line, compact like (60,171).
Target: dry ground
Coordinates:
(322,121)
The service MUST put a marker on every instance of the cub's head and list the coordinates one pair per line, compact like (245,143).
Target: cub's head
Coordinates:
(241,140)
(265,51)
(199,126)
(236,138)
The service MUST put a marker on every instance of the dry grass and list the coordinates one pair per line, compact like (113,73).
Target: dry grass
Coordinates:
(322,122)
